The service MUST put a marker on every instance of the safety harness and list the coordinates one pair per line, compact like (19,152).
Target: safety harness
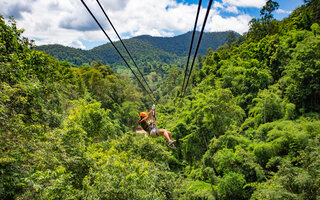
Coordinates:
(149,126)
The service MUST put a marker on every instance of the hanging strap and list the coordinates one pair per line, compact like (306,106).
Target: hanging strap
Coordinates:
(154,112)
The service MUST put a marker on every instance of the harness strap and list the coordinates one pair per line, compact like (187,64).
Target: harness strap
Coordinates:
(154,112)
(151,125)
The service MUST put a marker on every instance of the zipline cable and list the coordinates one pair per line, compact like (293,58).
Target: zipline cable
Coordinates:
(116,49)
(190,49)
(105,14)
(197,48)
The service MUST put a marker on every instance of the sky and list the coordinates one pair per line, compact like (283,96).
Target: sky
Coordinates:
(68,23)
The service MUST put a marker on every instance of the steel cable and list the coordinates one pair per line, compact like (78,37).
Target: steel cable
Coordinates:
(198,44)
(190,49)
(116,49)
(105,14)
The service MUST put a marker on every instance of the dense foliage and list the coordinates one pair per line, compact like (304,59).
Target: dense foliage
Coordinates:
(248,128)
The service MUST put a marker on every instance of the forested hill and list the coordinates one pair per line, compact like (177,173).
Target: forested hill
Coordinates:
(179,45)
(143,48)
(247,128)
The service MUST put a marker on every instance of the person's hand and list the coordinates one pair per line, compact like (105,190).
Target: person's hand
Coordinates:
(153,106)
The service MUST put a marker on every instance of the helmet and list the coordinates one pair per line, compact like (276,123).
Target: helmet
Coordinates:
(143,115)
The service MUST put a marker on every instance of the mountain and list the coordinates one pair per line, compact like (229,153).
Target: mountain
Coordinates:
(143,48)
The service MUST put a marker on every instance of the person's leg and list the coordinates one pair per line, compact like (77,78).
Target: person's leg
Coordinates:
(170,135)
(166,134)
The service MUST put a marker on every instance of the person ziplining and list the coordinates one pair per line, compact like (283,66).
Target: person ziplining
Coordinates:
(150,127)
(147,122)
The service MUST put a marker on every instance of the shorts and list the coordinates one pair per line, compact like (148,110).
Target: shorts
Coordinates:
(154,132)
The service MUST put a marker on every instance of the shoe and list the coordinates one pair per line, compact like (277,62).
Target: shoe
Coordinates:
(171,144)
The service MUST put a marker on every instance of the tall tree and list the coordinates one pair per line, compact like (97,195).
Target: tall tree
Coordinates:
(266,12)
(265,25)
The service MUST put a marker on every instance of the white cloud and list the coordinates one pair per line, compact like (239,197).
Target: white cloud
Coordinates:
(232,9)
(246,3)
(238,24)
(14,8)
(43,23)
(68,23)
(154,17)
(281,11)
(217,5)
(231,6)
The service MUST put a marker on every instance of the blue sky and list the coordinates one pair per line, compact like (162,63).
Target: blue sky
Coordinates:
(66,22)
(285,5)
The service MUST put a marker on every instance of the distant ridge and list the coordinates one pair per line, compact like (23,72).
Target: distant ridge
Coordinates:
(143,48)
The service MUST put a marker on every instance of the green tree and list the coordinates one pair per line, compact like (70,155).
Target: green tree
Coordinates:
(263,26)
(266,11)
(208,115)
(231,186)
(301,75)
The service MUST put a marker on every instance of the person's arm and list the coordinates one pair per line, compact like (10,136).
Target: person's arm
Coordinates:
(147,117)
(153,113)
(150,113)
(153,117)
